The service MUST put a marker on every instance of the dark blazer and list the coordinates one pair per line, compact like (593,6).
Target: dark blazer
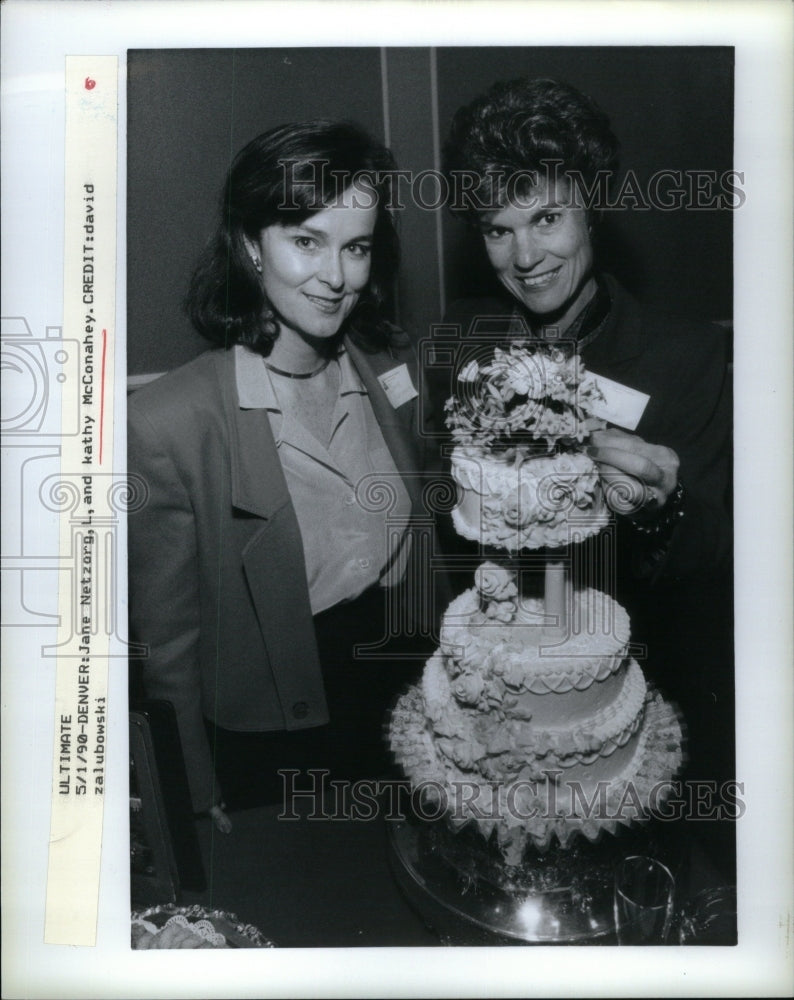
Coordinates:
(216,569)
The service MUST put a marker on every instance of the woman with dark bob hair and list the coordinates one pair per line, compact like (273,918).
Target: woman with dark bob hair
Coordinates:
(282,177)
(282,471)
(538,157)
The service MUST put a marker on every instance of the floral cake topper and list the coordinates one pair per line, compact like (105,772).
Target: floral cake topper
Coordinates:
(524,401)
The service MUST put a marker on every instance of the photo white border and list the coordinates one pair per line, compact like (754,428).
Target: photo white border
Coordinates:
(35,38)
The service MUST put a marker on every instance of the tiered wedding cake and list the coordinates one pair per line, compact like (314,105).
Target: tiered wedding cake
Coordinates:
(531,721)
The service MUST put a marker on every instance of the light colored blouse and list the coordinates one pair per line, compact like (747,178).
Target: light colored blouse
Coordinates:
(350,542)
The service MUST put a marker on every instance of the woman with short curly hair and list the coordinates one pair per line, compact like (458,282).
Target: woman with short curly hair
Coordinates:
(526,130)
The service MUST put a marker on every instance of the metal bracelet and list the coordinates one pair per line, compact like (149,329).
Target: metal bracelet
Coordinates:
(670,514)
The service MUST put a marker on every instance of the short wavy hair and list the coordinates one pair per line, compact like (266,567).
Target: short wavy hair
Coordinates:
(521,127)
(282,177)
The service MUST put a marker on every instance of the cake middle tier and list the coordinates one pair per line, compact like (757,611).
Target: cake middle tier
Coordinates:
(503,657)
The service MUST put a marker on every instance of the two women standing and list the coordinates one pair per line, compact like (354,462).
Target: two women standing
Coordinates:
(259,562)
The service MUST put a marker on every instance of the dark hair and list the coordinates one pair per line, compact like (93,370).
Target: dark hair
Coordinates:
(522,126)
(281,178)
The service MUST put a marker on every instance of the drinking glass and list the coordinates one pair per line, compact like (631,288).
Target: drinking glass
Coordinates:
(644,890)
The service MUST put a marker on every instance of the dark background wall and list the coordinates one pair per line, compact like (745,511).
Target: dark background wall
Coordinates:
(189,111)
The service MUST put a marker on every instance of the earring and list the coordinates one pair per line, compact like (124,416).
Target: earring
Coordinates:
(257,264)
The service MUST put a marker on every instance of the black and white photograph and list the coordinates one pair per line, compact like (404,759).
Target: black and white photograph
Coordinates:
(309,489)
(439,572)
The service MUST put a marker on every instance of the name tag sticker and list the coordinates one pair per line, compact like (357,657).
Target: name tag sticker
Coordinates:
(621,405)
(398,386)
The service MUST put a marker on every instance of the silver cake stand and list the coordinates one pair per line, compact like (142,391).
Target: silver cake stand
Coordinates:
(560,897)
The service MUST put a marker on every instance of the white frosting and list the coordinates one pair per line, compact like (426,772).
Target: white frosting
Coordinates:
(510,707)
(520,661)
(499,747)
(547,501)
(581,798)
(509,720)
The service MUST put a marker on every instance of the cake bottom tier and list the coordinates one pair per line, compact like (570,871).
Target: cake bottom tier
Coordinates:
(531,816)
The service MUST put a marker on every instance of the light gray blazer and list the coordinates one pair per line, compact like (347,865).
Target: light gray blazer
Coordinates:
(217,586)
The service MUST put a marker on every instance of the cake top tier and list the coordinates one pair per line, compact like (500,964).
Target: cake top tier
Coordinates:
(526,399)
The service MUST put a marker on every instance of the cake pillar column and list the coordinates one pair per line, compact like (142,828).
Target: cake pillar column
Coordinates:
(555,594)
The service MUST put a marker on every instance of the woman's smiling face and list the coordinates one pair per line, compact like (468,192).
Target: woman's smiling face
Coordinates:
(314,272)
(539,245)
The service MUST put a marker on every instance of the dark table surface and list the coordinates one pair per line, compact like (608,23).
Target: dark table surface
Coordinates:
(308,882)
